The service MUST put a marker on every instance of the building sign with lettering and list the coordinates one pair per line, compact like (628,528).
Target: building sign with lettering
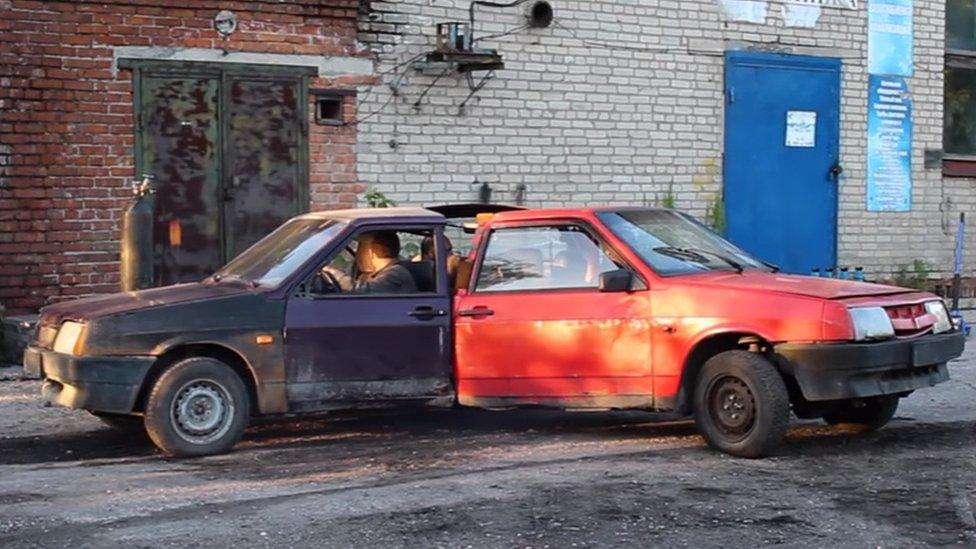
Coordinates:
(889,179)
(843,4)
(890,37)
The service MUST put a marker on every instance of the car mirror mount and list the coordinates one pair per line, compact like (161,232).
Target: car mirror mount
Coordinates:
(618,280)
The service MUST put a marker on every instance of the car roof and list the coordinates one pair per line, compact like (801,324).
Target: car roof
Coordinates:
(504,213)
(359,214)
(557,213)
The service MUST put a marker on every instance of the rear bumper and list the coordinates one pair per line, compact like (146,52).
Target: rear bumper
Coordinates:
(838,371)
(99,383)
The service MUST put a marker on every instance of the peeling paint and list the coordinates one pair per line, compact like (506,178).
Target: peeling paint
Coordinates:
(795,15)
(746,11)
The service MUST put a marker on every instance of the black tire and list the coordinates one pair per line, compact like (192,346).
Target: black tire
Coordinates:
(119,422)
(199,406)
(867,415)
(741,404)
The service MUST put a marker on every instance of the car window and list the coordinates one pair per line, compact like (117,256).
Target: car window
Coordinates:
(673,244)
(279,254)
(542,258)
(379,261)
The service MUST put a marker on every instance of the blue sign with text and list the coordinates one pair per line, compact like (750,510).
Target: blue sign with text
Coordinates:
(890,37)
(889,145)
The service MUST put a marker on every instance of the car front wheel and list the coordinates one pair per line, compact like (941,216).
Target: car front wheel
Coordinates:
(741,404)
(199,406)
(868,414)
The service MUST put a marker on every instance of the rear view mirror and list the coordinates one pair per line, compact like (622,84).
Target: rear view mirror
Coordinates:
(616,281)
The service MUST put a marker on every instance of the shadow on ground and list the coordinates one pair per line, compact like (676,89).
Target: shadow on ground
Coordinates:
(399,438)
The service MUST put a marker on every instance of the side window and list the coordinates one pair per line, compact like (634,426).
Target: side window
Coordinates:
(542,258)
(387,261)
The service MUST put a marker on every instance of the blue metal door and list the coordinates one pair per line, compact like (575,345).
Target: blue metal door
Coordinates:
(781,157)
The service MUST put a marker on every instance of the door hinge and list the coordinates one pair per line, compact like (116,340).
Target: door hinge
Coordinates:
(730,95)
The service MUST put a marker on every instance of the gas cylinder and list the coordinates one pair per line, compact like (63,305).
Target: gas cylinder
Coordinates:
(136,263)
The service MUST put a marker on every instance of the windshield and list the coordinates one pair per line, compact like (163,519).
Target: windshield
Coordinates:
(672,243)
(277,255)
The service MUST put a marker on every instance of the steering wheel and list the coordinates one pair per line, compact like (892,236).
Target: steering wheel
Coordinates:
(326,283)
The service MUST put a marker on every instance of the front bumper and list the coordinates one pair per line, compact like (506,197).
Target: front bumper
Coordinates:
(99,383)
(835,371)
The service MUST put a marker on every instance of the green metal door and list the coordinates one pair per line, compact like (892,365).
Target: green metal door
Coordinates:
(227,147)
(264,162)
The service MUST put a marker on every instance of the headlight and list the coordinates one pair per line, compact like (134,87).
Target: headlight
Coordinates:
(68,340)
(942,321)
(871,323)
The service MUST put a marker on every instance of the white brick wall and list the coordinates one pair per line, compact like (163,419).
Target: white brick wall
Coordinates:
(579,124)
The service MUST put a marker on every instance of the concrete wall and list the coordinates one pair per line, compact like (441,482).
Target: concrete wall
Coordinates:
(620,101)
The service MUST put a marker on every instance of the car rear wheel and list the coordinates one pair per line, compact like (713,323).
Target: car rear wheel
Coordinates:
(741,404)
(199,406)
(119,422)
(868,414)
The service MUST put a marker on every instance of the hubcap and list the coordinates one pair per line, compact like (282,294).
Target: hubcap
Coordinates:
(202,411)
(732,407)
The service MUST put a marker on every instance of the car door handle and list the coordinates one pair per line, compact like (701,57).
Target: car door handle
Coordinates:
(477,312)
(426,313)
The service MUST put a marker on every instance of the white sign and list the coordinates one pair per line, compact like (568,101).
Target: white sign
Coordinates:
(746,11)
(801,128)
(843,4)
(796,15)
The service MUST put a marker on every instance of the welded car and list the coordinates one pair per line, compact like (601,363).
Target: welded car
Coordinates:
(577,309)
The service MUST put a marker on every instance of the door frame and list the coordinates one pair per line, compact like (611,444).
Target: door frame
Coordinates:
(223,72)
(601,398)
(442,386)
(772,60)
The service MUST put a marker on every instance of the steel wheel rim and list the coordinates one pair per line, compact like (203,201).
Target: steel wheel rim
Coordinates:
(202,411)
(732,407)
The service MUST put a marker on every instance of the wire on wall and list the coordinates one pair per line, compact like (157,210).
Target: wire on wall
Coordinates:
(487,4)
(512,30)
(475,88)
(394,86)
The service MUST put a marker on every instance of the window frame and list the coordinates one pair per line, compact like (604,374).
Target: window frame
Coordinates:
(441,283)
(639,283)
(331,94)
(956,164)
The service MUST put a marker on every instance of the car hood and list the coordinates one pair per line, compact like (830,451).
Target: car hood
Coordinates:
(125,302)
(808,286)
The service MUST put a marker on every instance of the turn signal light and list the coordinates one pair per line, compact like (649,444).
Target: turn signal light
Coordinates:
(483,218)
(264,340)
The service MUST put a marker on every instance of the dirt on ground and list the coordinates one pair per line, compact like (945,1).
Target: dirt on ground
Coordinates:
(467,478)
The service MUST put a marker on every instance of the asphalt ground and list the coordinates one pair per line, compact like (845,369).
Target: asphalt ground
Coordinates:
(466,478)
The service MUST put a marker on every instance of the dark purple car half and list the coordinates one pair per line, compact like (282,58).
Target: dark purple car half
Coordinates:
(260,337)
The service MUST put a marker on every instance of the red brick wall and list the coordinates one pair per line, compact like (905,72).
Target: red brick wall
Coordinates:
(66,124)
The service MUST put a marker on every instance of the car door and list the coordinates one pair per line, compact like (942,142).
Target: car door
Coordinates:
(345,349)
(534,328)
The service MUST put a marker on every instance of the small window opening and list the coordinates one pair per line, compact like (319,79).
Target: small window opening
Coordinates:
(328,110)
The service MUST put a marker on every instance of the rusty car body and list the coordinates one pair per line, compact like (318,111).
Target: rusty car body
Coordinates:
(594,308)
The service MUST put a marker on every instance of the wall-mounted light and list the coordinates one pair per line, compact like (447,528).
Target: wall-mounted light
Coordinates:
(225,23)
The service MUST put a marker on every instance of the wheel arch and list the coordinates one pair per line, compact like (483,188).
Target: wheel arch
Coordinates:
(704,349)
(232,358)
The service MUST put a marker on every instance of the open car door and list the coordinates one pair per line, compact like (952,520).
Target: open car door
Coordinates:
(537,327)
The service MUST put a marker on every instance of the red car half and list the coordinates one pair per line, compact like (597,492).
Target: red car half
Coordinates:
(600,308)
